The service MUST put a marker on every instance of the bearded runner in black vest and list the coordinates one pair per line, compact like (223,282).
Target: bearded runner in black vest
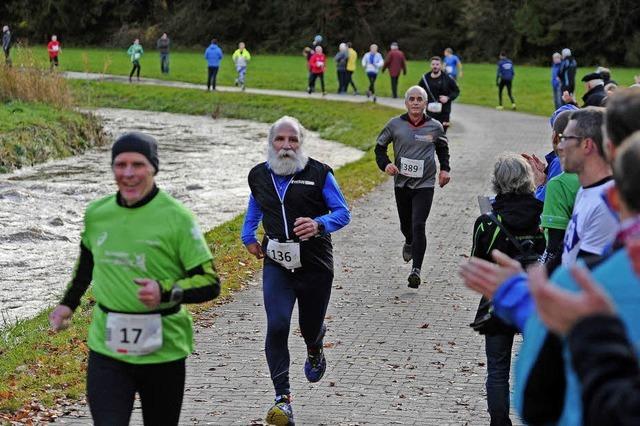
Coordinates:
(299,203)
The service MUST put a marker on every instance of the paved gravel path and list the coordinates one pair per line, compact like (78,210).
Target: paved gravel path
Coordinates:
(396,355)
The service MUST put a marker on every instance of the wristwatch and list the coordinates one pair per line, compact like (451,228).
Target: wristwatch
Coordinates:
(176,294)
(321,229)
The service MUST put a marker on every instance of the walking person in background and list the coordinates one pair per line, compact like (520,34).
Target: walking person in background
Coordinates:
(504,78)
(341,58)
(442,91)
(6,44)
(213,55)
(241,58)
(372,62)
(452,64)
(567,73)
(395,62)
(555,80)
(351,67)
(317,65)
(135,52)
(54,50)
(163,45)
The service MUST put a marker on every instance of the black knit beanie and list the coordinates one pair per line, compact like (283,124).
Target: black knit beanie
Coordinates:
(137,142)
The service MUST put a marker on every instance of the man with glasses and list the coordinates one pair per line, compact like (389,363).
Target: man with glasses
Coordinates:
(417,139)
(592,227)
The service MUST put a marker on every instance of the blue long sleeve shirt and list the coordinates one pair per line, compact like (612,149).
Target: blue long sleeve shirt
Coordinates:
(213,55)
(338,217)
(554,168)
(512,302)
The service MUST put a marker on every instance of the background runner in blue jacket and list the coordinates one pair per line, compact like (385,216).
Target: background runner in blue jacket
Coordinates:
(504,77)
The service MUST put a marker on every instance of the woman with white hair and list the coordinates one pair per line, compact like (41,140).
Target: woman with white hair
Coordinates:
(515,211)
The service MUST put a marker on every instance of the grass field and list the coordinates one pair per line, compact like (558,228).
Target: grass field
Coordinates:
(37,365)
(532,88)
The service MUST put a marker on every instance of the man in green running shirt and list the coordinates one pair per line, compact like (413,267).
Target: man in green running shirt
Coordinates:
(146,257)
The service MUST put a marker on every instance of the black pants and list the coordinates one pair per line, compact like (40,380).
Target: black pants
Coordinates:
(7,57)
(112,385)
(211,78)
(394,86)
(281,288)
(53,62)
(372,82)
(442,117)
(136,69)
(501,86)
(350,82)
(312,81)
(343,81)
(414,206)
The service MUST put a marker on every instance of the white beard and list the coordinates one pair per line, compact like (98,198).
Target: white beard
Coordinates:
(286,162)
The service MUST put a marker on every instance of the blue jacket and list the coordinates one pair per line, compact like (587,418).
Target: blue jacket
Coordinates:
(505,69)
(555,83)
(213,55)
(618,278)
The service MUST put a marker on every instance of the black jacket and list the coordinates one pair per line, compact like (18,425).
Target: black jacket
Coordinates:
(441,86)
(607,366)
(594,97)
(520,215)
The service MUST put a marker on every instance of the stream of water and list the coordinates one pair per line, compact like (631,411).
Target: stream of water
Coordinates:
(204,163)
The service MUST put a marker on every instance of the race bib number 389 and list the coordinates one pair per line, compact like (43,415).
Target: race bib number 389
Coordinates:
(411,168)
(133,334)
(286,254)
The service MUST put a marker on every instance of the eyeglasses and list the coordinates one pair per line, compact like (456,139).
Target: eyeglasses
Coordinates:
(565,138)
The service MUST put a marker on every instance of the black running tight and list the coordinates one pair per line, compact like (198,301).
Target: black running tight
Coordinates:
(414,206)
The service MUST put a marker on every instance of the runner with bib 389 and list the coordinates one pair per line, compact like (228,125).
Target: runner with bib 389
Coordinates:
(417,139)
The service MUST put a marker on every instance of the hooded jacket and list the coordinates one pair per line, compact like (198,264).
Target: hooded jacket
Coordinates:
(520,215)
(213,55)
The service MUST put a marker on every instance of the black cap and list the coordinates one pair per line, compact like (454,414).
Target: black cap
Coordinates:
(592,76)
(137,142)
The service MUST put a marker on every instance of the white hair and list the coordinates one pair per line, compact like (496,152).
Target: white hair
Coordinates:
(556,55)
(512,175)
(423,92)
(286,162)
(566,52)
(342,47)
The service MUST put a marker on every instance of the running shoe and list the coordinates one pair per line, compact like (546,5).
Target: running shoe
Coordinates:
(316,363)
(315,366)
(499,107)
(375,99)
(414,278)
(281,414)
(406,252)
(513,106)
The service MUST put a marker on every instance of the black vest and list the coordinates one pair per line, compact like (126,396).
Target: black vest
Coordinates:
(302,199)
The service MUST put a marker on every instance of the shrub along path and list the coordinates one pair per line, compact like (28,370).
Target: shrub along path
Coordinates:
(396,356)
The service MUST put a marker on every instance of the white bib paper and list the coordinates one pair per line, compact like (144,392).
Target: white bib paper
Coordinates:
(411,168)
(133,334)
(286,254)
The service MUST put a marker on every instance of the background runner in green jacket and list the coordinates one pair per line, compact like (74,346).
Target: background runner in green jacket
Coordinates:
(146,256)
(135,52)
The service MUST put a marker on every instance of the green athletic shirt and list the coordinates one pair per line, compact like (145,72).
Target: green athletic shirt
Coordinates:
(559,199)
(160,240)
